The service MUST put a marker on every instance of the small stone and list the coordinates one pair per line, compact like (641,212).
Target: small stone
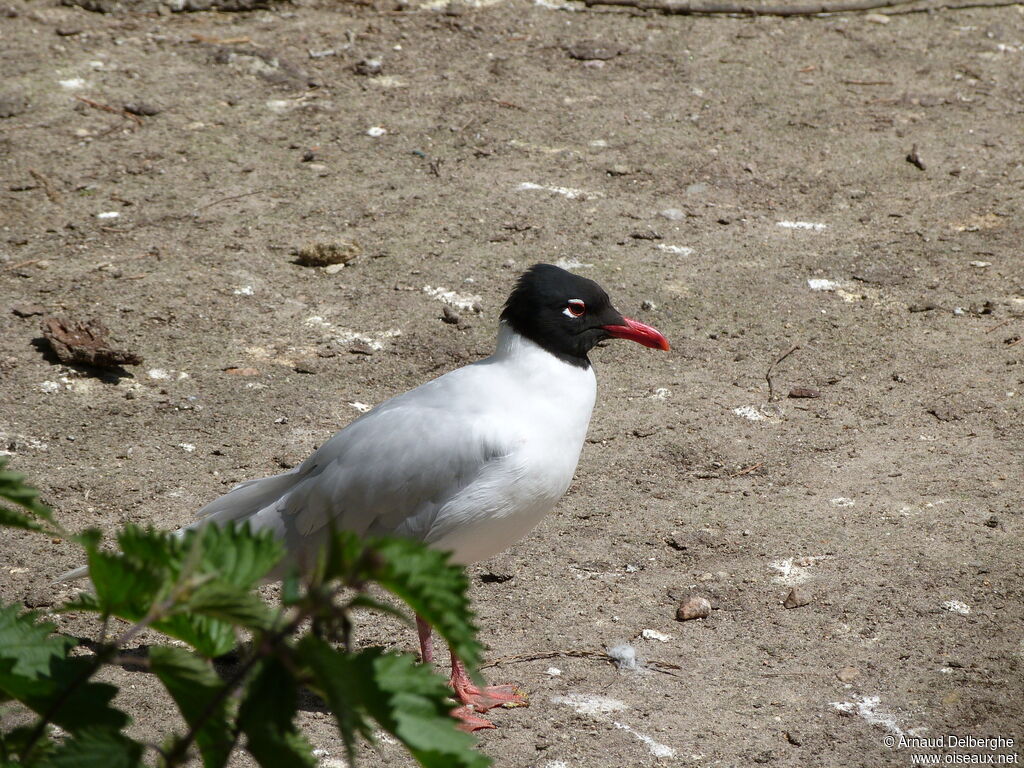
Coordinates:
(847,674)
(306,366)
(12,104)
(672,214)
(619,170)
(368,67)
(698,188)
(450,317)
(142,108)
(647,305)
(797,392)
(28,310)
(592,50)
(797,598)
(693,608)
(242,371)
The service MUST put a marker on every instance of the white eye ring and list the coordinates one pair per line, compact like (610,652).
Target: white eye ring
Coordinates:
(574,308)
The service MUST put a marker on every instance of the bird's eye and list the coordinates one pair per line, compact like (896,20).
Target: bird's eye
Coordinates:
(574,308)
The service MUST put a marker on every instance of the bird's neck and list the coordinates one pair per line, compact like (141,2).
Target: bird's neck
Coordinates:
(513,345)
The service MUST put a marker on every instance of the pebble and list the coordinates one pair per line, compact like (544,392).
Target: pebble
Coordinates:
(797,392)
(142,108)
(797,598)
(672,214)
(619,170)
(697,189)
(368,67)
(28,310)
(847,674)
(693,608)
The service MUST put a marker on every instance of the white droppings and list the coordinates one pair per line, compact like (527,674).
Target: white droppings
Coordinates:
(657,748)
(245,290)
(50,387)
(468,301)
(981,264)
(821,284)
(187,447)
(572,264)
(72,84)
(599,707)
(376,131)
(158,374)
(661,393)
(108,215)
(750,412)
(346,336)
(679,250)
(866,707)
(553,763)
(361,407)
(624,656)
(591,705)
(842,501)
(568,192)
(553,672)
(795,570)
(808,225)
(278,105)
(653,634)
(956,606)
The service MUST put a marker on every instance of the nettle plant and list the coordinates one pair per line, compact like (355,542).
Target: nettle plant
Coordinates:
(198,589)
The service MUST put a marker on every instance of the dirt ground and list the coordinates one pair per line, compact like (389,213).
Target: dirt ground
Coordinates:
(849,185)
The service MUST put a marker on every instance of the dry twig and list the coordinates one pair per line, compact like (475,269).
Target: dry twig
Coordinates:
(659,666)
(112,110)
(768,373)
(723,7)
(44,182)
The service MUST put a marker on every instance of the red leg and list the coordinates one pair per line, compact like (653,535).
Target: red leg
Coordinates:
(483,699)
(426,643)
(467,720)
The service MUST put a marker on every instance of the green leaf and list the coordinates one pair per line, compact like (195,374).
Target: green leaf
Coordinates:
(434,588)
(233,605)
(65,694)
(199,694)
(407,699)
(92,748)
(267,715)
(14,489)
(29,645)
(11,518)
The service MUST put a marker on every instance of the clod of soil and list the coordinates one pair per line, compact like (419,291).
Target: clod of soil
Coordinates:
(84,343)
(326,254)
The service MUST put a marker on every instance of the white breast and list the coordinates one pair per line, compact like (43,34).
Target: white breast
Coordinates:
(541,408)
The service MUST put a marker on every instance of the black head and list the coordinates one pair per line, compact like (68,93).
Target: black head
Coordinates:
(567,314)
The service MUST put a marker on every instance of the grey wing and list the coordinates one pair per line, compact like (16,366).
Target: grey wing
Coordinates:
(390,471)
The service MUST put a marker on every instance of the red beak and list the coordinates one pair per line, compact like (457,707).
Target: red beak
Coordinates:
(640,333)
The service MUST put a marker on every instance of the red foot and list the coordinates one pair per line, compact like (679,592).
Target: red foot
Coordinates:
(469,722)
(483,699)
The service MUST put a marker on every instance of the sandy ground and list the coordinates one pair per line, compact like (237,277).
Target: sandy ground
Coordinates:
(743,184)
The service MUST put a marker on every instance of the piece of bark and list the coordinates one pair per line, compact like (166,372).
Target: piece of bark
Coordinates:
(84,343)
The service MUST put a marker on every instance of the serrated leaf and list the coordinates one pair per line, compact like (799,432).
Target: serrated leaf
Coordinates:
(267,718)
(29,645)
(61,693)
(199,694)
(14,489)
(92,748)
(365,601)
(11,518)
(235,554)
(434,588)
(407,699)
(230,604)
